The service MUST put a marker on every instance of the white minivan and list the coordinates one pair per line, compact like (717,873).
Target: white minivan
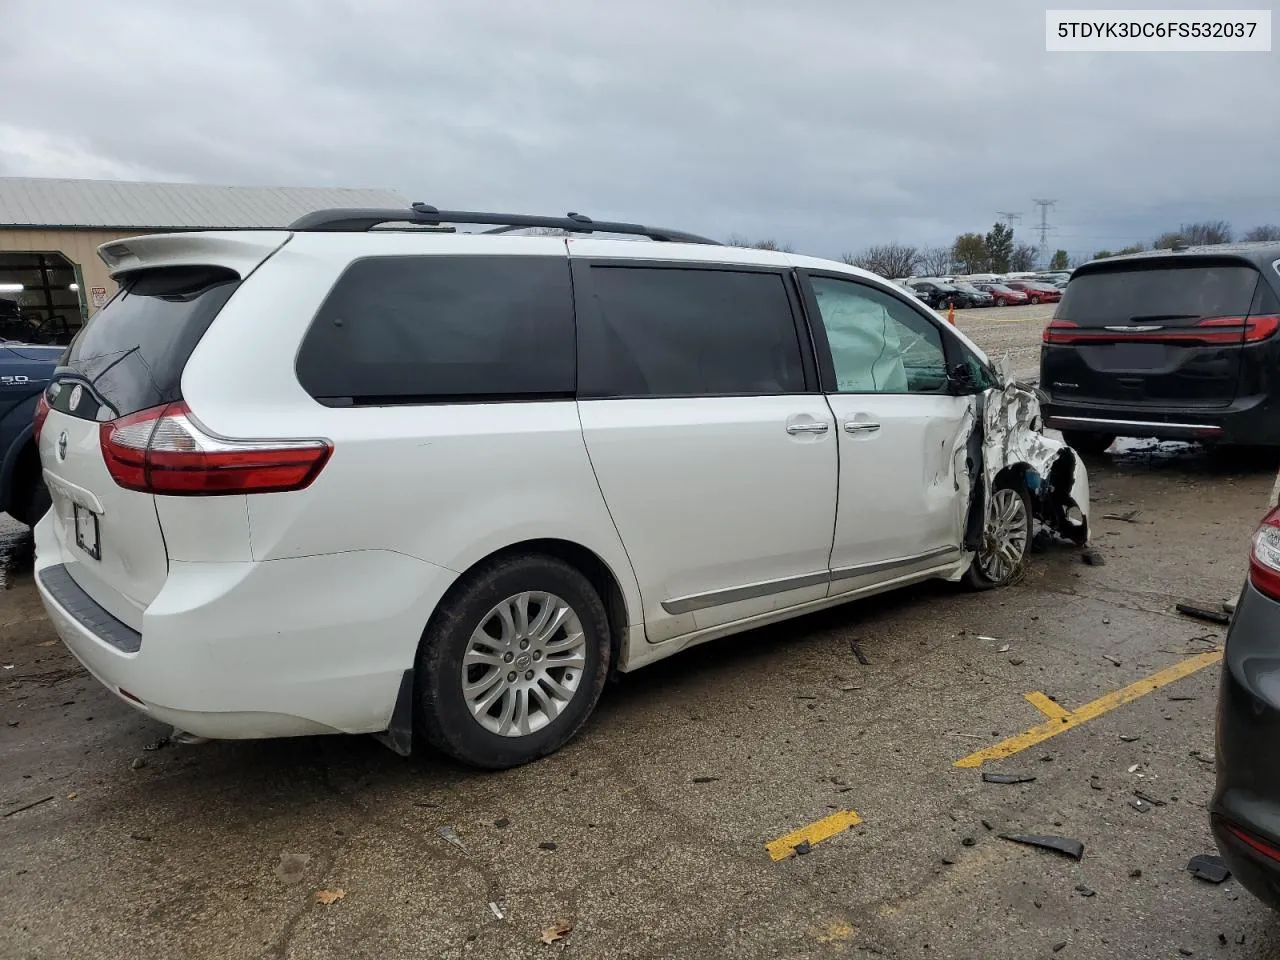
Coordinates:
(376,474)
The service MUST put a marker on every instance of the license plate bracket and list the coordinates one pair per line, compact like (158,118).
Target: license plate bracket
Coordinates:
(87,531)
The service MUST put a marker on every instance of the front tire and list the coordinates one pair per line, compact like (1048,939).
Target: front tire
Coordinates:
(512,663)
(1088,443)
(1006,539)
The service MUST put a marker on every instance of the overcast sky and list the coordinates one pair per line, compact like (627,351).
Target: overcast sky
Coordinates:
(830,124)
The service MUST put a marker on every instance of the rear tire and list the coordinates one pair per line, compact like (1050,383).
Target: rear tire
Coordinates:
(30,501)
(531,617)
(1006,539)
(1087,442)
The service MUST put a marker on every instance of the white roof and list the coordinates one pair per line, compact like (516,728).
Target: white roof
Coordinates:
(127,205)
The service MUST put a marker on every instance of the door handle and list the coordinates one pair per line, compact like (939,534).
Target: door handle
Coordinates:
(860,426)
(796,428)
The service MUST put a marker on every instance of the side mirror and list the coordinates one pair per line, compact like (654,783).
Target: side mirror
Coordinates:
(961,381)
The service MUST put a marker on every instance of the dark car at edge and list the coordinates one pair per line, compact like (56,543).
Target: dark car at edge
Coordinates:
(1245,811)
(1173,344)
(25,370)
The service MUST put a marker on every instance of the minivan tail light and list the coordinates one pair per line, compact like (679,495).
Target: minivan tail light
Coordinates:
(164,450)
(41,414)
(1264,558)
(1212,331)
(1058,332)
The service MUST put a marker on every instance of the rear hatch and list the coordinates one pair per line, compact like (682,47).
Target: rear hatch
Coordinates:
(1158,332)
(128,359)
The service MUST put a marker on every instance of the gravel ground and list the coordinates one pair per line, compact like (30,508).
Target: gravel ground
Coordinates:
(1012,331)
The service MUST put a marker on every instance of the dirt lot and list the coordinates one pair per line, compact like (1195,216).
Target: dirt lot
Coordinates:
(651,834)
(1008,331)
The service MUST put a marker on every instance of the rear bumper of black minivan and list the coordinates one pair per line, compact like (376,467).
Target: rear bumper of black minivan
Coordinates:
(1248,421)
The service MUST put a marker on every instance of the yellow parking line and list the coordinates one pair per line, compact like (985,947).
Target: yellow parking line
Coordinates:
(816,832)
(1105,704)
(1050,708)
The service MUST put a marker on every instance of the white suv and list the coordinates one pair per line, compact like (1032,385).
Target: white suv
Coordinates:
(345,478)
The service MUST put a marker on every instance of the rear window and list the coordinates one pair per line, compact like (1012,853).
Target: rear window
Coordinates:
(1184,292)
(424,329)
(132,352)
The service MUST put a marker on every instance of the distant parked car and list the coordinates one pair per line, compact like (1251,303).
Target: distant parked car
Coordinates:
(1003,295)
(25,370)
(1036,291)
(941,295)
(1177,345)
(973,296)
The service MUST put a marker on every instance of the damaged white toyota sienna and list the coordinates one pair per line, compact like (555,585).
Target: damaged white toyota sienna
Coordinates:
(378,474)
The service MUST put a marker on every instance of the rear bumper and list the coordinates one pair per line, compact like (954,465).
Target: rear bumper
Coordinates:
(1249,421)
(257,649)
(1248,746)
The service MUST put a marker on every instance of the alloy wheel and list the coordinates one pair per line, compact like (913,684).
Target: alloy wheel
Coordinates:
(1005,542)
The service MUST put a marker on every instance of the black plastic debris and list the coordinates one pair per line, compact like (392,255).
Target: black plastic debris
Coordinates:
(1181,699)
(1135,873)
(1092,558)
(948,862)
(1129,516)
(1202,613)
(968,842)
(1007,778)
(857,652)
(502,823)
(1064,845)
(987,824)
(1140,806)
(705,779)
(1203,866)
(803,847)
(1085,891)
(1059,946)
(1143,795)
(547,845)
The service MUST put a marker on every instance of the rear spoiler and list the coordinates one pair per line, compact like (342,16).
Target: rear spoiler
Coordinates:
(240,250)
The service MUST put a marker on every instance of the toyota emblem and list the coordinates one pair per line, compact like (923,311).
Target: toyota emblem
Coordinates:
(62,445)
(76,393)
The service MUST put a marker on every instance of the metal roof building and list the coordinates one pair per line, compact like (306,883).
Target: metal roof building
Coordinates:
(50,231)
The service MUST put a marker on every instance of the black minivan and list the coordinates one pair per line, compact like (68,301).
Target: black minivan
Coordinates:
(1173,344)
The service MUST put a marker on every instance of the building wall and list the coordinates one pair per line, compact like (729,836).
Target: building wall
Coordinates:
(78,246)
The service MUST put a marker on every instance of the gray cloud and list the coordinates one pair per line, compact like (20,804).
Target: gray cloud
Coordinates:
(825,123)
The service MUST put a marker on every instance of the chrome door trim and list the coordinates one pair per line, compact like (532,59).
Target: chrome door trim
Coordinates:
(880,566)
(749,591)
(1100,422)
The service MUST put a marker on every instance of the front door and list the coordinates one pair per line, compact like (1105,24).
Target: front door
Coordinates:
(901,506)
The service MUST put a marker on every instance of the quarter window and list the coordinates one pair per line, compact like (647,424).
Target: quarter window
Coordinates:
(878,344)
(423,329)
(670,332)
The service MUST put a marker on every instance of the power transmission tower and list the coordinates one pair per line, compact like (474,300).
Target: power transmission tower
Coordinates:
(1010,217)
(1044,206)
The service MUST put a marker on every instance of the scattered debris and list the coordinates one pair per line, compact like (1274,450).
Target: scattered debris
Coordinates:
(802,848)
(1228,606)
(502,823)
(1129,516)
(1092,558)
(138,763)
(1203,866)
(1181,698)
(1064,845)
(449,835)
(987,639)
(1201,613)
(10,666)
(146,837)
(705,779)
(328,897)
(1007,778)
(1201,757)
(1222,939)
(1059,946)
(28,806)
(857,652)
(948,862)
(1115,660)
(547,845)
(1129,738)
(1135,873)
(1186,952)
(556,932)
(185,739)
(1134,768)
(1139,806)
(1085,891)
(1003,649)
(12,723)
(1148,798)
(72,795)
(496,911)
(848,687)
(1095,783)
(987,824)
(1017,661)
(968,842)
(156,744)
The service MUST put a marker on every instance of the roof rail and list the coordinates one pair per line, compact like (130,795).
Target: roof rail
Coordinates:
(359,220)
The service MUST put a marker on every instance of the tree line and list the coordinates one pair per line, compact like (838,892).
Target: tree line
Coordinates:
(997,252)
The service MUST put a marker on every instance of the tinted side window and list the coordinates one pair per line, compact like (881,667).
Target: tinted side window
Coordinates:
(669,332)
(421,329)
(134,349)
(878,344)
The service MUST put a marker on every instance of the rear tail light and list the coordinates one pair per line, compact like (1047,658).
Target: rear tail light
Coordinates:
(1264,559)
(164,450)
(41,414)
(1213,331)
